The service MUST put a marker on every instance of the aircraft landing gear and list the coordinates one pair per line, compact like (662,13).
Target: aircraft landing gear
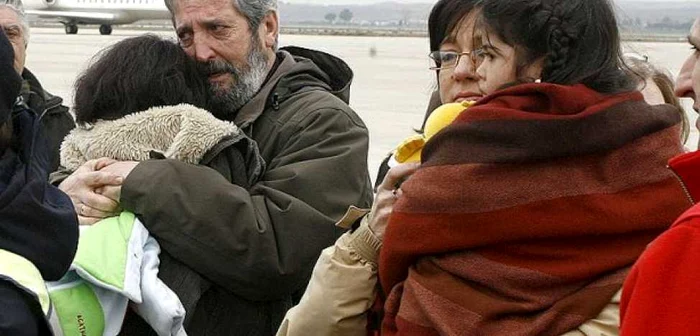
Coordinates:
(105,29)
(71,28)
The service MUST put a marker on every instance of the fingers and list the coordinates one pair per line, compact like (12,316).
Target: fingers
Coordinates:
(112,192)
(95,165)
(99,178)
(388,191)
(121,168)
(87,211)
(88,220)
(398,174)
(101,163)
(387,194)
(97,202)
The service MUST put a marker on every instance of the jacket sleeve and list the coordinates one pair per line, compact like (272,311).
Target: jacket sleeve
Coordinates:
(660,295)
(342,289)
(259,243)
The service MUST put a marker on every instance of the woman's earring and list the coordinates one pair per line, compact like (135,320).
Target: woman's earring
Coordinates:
(538,80)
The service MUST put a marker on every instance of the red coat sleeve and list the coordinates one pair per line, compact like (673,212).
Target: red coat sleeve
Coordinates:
(662,294)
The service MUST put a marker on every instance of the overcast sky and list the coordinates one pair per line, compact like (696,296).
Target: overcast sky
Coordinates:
(364,2)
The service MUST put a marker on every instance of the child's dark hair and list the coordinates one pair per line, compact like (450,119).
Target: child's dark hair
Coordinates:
(578,40)
(136,74)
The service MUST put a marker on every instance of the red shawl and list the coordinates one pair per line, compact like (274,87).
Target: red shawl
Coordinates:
(528,212)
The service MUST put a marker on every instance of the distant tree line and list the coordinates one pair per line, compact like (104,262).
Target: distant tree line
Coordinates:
(345,15)
(666,24)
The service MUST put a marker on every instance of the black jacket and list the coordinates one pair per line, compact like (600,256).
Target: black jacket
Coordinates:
(37,222)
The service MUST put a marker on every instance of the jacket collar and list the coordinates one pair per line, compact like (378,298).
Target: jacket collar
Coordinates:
(256,106)
(687,169)
(181,132)
(297,70)
(35,95)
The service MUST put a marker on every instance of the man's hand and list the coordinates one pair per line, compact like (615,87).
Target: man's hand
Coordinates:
(80,186)
(121,168)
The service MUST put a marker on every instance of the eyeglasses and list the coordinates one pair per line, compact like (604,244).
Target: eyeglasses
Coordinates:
(443,60)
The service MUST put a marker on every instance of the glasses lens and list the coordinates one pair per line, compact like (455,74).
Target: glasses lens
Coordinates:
(435,62)
(444,59)
(449,59)
(477,56)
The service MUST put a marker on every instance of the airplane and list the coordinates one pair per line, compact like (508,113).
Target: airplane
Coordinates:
(103,12)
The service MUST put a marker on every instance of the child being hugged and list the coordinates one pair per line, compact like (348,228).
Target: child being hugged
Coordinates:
(142,99)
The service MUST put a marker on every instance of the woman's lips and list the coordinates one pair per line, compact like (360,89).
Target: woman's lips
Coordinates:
(469,96)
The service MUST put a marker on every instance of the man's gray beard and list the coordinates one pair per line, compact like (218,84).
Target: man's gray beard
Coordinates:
(224,102)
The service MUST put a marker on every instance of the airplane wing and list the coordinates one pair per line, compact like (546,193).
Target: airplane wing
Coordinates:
(73,15)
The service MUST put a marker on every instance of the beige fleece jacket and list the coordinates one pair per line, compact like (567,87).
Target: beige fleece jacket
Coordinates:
(181,132)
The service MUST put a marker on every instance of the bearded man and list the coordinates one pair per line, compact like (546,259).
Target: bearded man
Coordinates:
(257,246)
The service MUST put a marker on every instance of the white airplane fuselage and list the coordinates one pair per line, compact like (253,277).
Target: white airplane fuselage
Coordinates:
(103,12)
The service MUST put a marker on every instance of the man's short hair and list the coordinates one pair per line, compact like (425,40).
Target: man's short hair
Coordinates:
(17,7)
(253,10)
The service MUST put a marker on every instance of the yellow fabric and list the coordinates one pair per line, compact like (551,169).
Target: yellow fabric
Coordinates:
(24,273)
(410,149)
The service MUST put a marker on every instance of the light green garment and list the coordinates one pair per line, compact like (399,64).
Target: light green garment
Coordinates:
(113,259)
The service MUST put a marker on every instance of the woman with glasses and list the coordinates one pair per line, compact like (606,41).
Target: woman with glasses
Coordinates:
(450,59)
(529,209)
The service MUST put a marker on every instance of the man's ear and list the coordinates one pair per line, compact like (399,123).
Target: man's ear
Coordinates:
(269,30)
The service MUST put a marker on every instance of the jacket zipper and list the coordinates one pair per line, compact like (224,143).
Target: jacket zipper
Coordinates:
(680,180)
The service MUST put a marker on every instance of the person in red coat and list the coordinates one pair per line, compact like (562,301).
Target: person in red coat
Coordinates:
(662,293)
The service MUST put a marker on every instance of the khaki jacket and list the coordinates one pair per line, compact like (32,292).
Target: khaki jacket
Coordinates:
(343,287)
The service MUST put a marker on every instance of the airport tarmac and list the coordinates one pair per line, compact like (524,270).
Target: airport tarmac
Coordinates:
(390,89)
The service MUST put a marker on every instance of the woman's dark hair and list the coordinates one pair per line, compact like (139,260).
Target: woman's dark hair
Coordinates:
(444,18)
(578,40)
(134,75)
